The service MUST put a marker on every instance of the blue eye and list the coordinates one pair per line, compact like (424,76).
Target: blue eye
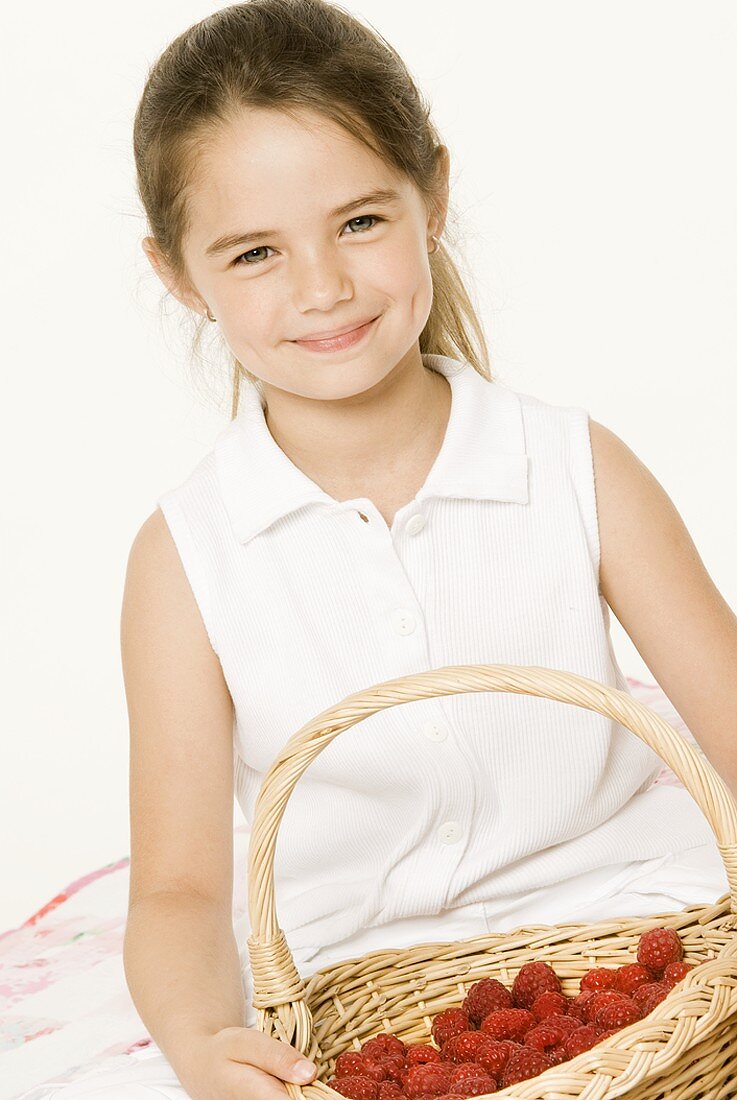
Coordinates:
(375,218)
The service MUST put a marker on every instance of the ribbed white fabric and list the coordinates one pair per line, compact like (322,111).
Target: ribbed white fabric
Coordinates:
(451,803)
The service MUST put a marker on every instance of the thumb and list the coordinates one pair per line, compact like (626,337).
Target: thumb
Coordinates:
(281,1059)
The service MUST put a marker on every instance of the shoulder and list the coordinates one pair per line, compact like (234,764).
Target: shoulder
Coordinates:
(640,526)
(621,477)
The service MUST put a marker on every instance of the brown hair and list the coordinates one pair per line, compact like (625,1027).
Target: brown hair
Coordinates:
(290,55)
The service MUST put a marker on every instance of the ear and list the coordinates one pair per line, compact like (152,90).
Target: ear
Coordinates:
(163,270)
(436,223)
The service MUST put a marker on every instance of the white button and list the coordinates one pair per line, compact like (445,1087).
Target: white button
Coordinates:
(434,731)
(449,832)
(415,523)
(404,621)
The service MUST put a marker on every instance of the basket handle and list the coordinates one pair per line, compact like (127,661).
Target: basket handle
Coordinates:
(277,984)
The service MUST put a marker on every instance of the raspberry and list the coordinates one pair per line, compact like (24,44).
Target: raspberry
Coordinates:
(429,1080)
(464,1071)
(474,1086)
(383,1043)
(630,977)
(651,995)
(523,1064)
(676,972)
(390,1090)
(557,1054)
(604,997)
(616,1016)
(533,979)
(543,1037)
(485,996)
(463,1047)
(493,1056)
(350,1063)
(583,1038)
(549,1004)
(451,1022)
(422,1053)
(507,1023)
(394,1065)
(577,1007)
(376,1070)
(657,948)
(357,1087)
(564,1024)
(597,979)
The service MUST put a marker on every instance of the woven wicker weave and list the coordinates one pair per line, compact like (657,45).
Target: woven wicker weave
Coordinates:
(685,1048)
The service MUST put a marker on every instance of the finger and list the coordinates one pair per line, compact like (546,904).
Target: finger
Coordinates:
(271,1055)
(251,1083)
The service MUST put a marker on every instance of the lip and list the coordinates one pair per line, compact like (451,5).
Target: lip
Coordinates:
(340,339)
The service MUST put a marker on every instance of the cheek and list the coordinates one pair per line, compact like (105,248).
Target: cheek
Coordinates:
(403,273)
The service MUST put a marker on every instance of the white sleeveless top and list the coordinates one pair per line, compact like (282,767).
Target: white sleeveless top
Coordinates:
(448,802)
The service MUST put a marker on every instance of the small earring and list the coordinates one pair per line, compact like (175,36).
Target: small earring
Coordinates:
(437,244)
(209,315)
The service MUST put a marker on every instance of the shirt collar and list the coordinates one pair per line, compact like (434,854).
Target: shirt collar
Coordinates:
(482,457)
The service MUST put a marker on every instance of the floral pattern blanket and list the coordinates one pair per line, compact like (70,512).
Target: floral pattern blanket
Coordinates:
(64,1001)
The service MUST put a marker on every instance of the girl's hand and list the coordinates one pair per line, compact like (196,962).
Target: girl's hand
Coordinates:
(241,1063)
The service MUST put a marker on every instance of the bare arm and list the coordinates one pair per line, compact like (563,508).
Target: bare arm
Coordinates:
(656,584)
(183,972)
(180,956)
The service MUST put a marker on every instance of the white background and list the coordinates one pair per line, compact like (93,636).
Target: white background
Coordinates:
(595,171)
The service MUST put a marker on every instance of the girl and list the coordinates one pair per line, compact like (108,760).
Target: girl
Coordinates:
(379,505)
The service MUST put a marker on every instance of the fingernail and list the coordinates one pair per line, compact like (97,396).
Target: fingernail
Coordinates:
(304,1071)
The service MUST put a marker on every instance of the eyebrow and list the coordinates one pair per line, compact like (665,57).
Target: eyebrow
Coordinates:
(231,240)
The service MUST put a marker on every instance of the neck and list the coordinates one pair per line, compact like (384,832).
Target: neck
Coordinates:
(367,437)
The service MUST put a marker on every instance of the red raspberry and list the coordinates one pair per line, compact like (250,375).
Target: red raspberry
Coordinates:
(429,1080)
(675,972)
(533,979)
(474,1086)
(618,1015)
(651,994)
(376,1070)
(604,997)
(557,1054)
(564,1024)
(485,996)
(657,948)
(493,1056)
(422,1053)
(395,1066)
(464,1071)
(599,978)
(549,1004)
(383,1043)
(463,1047)
(577,1007)
(583,1038)
(350,1063)
(630,977)
(390,1090)
(543,1037)
(507,1023)
(523,1064)
(453,1021)
(357,1088)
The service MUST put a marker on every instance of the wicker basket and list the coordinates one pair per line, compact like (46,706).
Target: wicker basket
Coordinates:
(685,1048)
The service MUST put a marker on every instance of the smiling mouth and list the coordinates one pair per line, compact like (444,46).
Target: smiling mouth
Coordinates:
(336,343)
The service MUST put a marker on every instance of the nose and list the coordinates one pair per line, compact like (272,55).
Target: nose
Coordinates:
(320,281)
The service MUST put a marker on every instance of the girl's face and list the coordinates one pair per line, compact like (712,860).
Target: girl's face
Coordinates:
(280,250)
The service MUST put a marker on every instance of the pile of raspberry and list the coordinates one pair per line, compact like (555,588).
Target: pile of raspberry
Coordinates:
(500,1036)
